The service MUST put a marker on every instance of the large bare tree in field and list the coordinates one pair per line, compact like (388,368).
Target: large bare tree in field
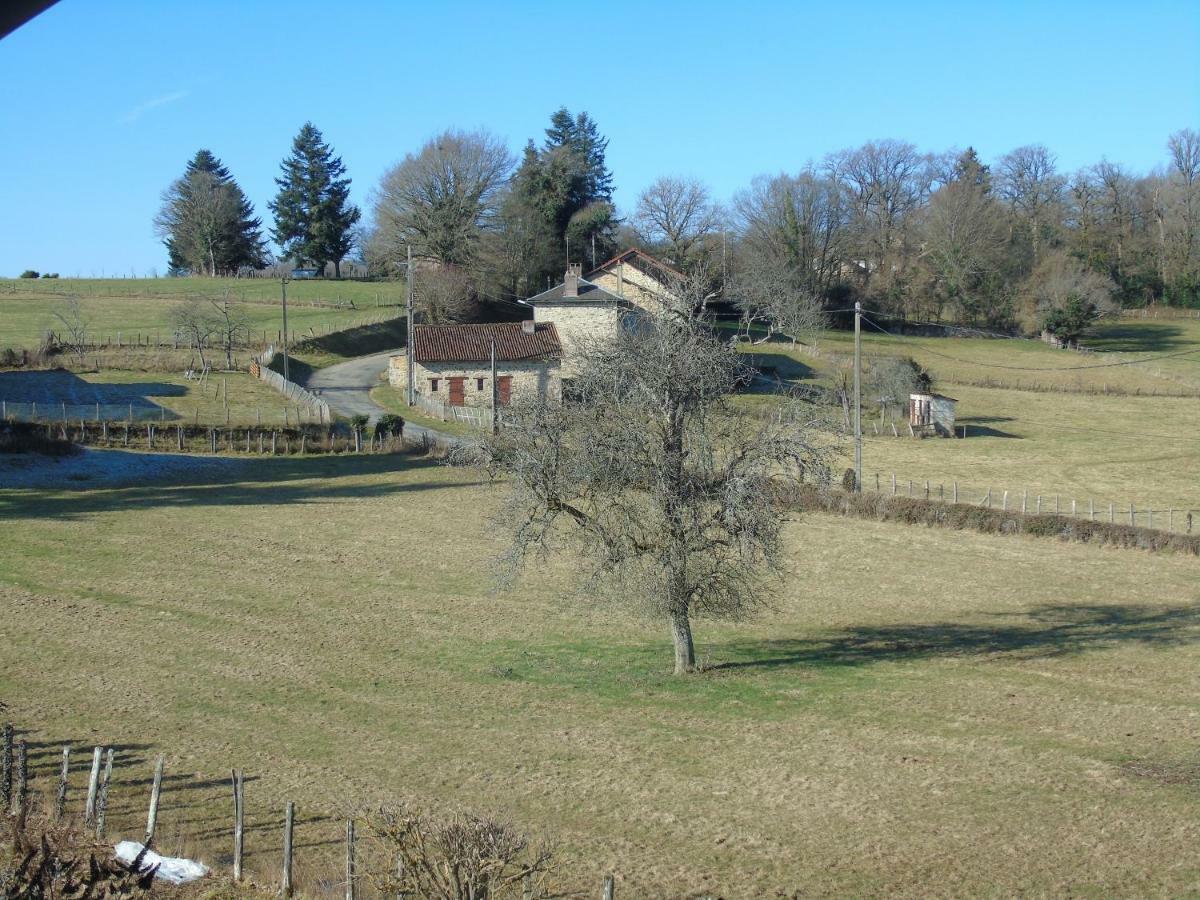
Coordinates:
(670,498)
(72,327)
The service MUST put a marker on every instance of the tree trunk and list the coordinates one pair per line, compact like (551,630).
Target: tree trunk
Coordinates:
(337,269)
(685,651)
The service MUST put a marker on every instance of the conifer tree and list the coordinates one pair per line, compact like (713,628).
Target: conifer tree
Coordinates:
(206,221)
(314,220)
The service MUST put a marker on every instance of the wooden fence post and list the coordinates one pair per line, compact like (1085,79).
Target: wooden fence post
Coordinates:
(1111,519)
(610,888)
(1091,509)
(288,823)
(155,793)
(349,859)
(239,799)
(22,791)
(1039,504)
(1132,518)
(1004,502)
(6,769)
(60,802)
(89,810)
(102,797)
(893,484)
(954,485)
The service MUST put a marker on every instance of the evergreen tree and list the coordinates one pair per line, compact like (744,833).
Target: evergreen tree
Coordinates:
(314,221)
(207,223)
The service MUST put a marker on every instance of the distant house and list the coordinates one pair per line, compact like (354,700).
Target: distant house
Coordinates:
(639,278)
(932,412)
(580,312)
(452,363)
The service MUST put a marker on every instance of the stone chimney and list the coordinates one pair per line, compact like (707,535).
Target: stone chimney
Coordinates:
(527,326)
(571,281)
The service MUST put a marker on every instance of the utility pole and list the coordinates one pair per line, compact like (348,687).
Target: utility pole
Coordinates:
(412,391)
(495,393)
(857,396)
(283,288)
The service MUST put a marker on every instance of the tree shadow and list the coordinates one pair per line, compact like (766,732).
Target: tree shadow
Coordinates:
(52,389)
(1044,631)
(1129,337)
(975,430)
(267,482)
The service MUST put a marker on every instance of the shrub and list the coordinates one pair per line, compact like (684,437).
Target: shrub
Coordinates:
(457,857)
(50,275)
(389,425)
(359,423)
(30,273)
(45,860)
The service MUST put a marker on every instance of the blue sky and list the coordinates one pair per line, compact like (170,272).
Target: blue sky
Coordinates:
(103,103)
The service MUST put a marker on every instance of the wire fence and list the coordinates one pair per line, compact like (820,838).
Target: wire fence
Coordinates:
(1181,519)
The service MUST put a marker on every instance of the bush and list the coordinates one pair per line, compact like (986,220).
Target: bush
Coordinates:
(29,437)
(45,860)
(457,857)
(30,273)
(50,275)
(359,423)
(389,425)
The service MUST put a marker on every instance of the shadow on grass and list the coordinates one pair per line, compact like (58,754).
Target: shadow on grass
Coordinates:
(1132,338)
(1045,631)
(242,482)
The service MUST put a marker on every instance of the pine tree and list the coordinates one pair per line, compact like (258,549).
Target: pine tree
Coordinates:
(314,220)
(207,223)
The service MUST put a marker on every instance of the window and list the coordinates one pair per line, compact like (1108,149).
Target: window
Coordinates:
(433,385)
(479,384)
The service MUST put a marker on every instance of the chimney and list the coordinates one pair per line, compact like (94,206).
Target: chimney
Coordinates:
(571,281)
(527,326)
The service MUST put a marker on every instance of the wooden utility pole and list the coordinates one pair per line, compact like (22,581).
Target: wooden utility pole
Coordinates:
(283,283)
(412,389)
(857,396)
(495,393)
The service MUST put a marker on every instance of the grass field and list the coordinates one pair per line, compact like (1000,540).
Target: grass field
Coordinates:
(171,397)
(921,713)
(1114,448)
(143,306)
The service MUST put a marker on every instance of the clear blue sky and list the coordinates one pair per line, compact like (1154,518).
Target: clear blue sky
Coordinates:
(103,103)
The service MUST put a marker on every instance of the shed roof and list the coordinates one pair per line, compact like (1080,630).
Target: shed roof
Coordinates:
(932,396)
(473,343)
(588,293)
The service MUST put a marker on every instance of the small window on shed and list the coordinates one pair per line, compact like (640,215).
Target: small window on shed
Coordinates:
(479,384)
(433,385)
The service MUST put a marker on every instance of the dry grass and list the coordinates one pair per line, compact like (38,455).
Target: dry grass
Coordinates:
(922,713)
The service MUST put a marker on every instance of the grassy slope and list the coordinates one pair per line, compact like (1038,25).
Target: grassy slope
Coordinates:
(144,305)
(1118,449)
(920,713)
(392,400)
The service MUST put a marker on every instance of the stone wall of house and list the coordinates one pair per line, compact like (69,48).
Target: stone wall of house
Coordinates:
(579,323)
(529,379)
(635,286)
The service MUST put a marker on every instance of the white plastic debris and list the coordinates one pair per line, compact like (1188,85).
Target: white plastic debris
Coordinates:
(170,868)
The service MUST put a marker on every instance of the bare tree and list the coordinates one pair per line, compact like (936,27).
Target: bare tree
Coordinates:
(230,326)
(1028,181)
(72,327)
(1070,298)
(671,497)
(440,200)
(442,294)
(768,290)
(677,214)
(195,323)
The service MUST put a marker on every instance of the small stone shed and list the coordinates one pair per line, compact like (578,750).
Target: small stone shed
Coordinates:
(452,363)
(932,412)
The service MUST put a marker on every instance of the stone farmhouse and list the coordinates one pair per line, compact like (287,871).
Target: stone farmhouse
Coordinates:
(452,363)
(627,292)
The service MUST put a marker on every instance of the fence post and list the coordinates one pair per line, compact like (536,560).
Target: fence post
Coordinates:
(1170,518)
(1004,502)
(927,490)
(6,769)
(1091,509)
(60,801)
(349,859)
(610,888)
(1039,504)
(1132,519)
(893,484)
(1111,519)
(102,799)
(1024,502)
(1072,507)
(288,823)
(155,792)
(954,485)
(22,791)
(1150,520)
(238,822)
(89,810)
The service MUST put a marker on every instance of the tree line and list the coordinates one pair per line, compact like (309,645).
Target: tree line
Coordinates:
(941,237)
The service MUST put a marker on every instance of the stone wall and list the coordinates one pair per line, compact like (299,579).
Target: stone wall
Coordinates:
(529,379)
(579,323)
(636,286)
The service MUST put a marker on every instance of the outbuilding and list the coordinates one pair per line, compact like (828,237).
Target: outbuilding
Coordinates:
(932,413)
(452,363)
